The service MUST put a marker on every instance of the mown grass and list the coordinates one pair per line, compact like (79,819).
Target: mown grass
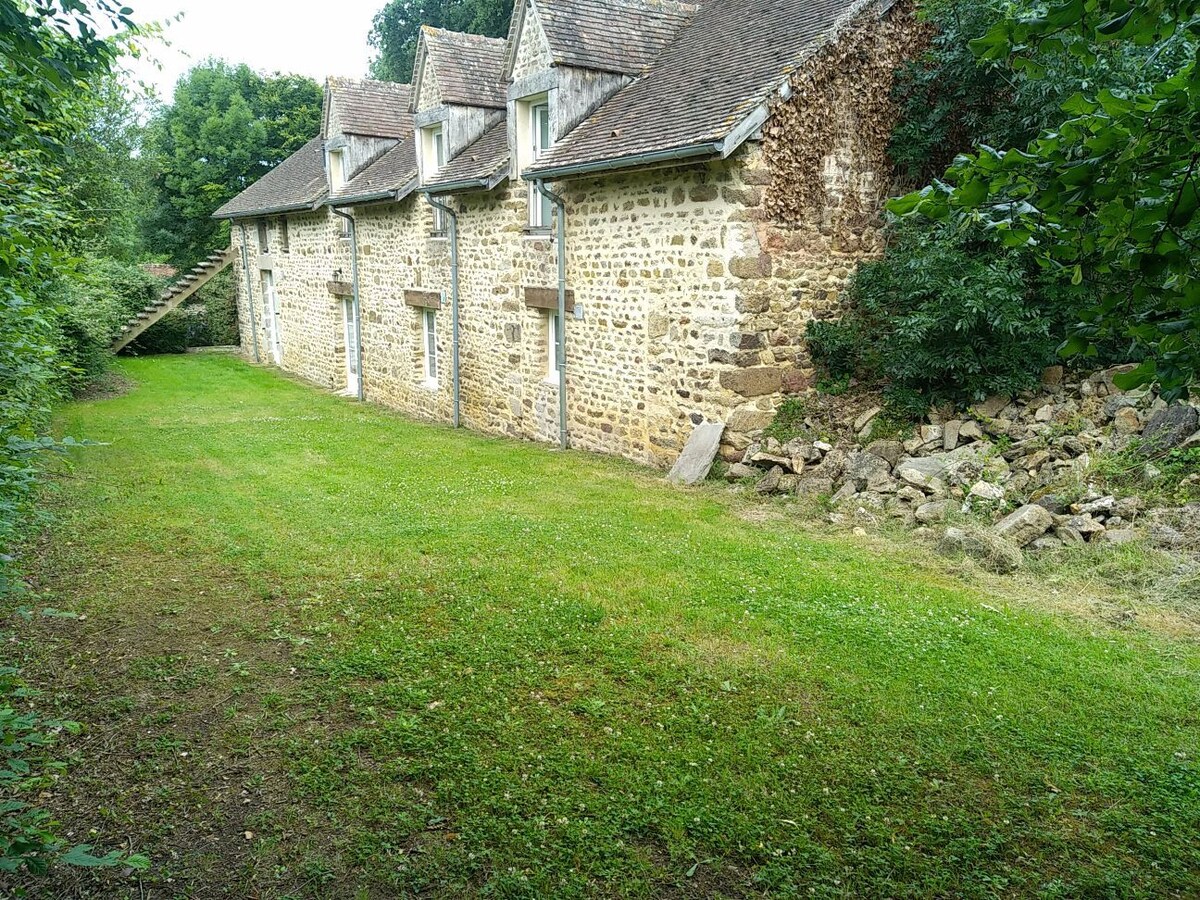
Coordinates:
(330,652)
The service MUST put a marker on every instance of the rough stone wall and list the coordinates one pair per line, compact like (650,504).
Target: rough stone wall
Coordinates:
(812,190)
(310,318)
(431,95)
(533,50)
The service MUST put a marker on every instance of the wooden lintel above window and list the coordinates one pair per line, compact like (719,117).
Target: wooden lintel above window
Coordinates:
(341,288)
(423,299)
(547,298)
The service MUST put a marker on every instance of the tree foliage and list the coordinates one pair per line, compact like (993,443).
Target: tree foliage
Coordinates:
(227,127)
(951,100)
(1108,196)
(396,28)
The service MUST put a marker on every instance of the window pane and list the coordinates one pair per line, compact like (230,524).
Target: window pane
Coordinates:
(544,127)
(430,344)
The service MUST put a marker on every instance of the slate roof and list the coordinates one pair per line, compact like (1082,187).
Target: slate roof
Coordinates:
(296,183)
(469,68)
(482,165)
(717,71)
(385,178)
(611,35)
(371,108)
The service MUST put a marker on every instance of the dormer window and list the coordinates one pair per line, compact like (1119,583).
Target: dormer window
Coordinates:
(434,155)
(534,139)
(337,170)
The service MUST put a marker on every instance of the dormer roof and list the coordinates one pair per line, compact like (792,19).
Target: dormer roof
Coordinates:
(390,177)
(367,108)
(622,36)
(481,166)
(469,68)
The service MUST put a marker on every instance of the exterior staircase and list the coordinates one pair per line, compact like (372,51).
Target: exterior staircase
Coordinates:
(173,296)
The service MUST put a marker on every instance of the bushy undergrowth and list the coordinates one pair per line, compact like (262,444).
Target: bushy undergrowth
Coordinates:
(1164,477)
(946,315)
(94,305)
(207,320)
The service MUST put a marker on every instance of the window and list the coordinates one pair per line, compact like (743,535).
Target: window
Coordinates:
(263,245)
(540,214)
(337,170)
(429,321)
(284,246)
(552,346)
(436,155)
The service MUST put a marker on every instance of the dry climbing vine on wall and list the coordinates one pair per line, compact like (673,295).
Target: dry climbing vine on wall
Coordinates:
(826,145)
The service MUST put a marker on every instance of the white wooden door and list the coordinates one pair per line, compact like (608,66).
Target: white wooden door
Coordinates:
(349,317)
(271,318)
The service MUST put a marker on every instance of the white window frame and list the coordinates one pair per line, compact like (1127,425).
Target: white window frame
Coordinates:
(541,213)
(429,347)
(552,346)
(436,135)
(350,332)
(338,176)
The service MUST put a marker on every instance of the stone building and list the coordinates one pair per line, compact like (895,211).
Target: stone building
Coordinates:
(610,226)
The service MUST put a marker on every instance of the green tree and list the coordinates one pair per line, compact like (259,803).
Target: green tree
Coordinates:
(105,178)
(226,127)
(952,100)
(396,28)
(1109,195)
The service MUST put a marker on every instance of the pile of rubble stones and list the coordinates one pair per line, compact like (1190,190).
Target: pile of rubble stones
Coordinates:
(1019,463)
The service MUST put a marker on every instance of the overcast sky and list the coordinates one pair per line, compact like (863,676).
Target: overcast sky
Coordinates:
(290,36)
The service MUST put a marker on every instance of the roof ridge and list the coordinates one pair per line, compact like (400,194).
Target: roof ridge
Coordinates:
(433,29)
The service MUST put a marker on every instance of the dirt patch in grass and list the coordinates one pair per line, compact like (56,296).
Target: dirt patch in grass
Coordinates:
(184,697)
(112,383)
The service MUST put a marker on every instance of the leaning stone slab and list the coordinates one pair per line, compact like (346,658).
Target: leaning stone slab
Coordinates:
(1025,525)
(696,461)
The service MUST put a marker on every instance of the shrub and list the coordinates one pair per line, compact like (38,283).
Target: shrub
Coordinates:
(168,335)
(946,315)
(93,306)
(209,319)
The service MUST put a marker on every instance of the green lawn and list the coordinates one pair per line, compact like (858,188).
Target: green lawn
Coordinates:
(328,652)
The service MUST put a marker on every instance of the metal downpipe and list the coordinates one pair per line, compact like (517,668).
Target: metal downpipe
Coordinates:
(453,216)
(250,295)
(354,292)
(561,336)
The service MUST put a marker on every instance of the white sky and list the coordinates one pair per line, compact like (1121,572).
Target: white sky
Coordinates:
(289,36)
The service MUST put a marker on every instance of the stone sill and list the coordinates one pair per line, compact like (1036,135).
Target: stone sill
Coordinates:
(430,384)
